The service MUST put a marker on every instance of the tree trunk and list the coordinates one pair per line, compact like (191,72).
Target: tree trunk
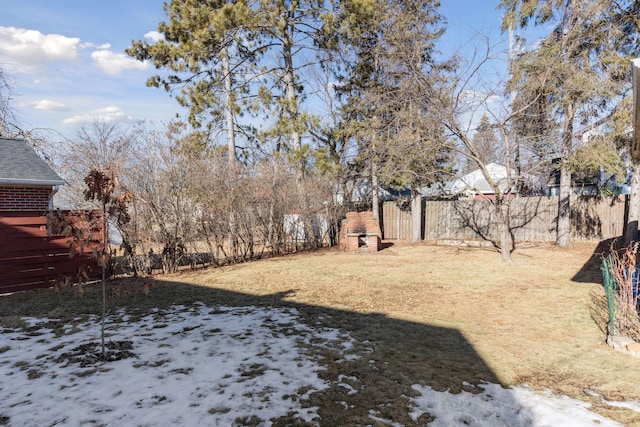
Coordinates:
(233,237)
(273,240)
(290,88)
(105,255)
(631,228)
(231,138)
(416,216)
(564,208)
(504,234)
(512,133)
(234,228)
(375,200)
(288,79)
(564,199)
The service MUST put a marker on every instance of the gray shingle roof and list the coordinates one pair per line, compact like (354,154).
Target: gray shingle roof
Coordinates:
(20,164)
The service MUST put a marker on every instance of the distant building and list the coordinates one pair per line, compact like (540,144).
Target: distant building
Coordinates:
(474,185)
(587,184)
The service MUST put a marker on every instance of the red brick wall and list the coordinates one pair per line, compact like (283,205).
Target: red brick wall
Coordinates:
(24,198)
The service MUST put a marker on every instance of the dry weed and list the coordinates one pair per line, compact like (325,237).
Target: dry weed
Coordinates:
(623,270)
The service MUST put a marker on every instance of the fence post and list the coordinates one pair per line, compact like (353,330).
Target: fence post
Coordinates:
(609,289)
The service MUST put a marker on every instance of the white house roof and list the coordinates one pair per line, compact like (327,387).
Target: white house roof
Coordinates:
(475,182)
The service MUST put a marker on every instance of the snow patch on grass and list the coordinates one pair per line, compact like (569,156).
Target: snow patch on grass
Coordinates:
(203,368)
(496,406)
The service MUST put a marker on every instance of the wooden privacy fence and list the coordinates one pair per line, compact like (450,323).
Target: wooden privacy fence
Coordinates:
(533,219)
(31,258)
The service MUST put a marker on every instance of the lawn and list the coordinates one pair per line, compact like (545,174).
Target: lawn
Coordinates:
(381,330)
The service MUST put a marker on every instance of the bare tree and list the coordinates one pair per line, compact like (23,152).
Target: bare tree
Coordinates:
(458,105)
(95,145)
(159,177)
(8,119)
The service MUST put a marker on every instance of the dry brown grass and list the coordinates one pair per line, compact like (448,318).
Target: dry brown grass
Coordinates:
(423,314)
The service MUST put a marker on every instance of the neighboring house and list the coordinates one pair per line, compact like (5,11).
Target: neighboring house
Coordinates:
(474,185)
(69,198)
(585,184)
(294,226)
(31,255)
(27,183)
(596,183)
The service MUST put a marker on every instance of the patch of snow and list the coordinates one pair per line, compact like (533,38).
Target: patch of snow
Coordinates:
(512,407)
(373,416)
(633,405)
(348,387)
(192,368)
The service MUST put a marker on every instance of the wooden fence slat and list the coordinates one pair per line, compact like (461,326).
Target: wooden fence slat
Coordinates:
(30,258)
(26,286)
(26,260)
(15,220)
(533,219)
(10,246)
(21,232)
(52,269)
(35,262)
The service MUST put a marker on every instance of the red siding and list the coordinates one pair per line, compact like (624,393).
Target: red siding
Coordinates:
(30,258)
(24,198)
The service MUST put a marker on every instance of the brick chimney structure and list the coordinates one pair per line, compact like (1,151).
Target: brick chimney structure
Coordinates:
(359,232)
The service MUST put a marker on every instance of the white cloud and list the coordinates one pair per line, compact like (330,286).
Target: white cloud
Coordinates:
(49,105)
(110,113)
(95,46)
(28,50)
(113,63)
(154,36)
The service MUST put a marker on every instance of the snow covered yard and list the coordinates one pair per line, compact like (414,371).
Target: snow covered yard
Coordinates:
(223,366)
(192,366)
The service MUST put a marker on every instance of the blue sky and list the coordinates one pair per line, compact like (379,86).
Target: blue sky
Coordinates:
(67,64)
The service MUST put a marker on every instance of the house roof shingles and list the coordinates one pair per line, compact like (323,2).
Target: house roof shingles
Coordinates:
(21,165)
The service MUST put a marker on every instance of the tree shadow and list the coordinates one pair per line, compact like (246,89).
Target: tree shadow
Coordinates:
(476,216)
(477,220)
(534,219)
(387,358)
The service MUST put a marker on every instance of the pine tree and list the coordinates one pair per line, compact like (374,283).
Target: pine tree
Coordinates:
(207,47)
(571,77)
(387,109)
